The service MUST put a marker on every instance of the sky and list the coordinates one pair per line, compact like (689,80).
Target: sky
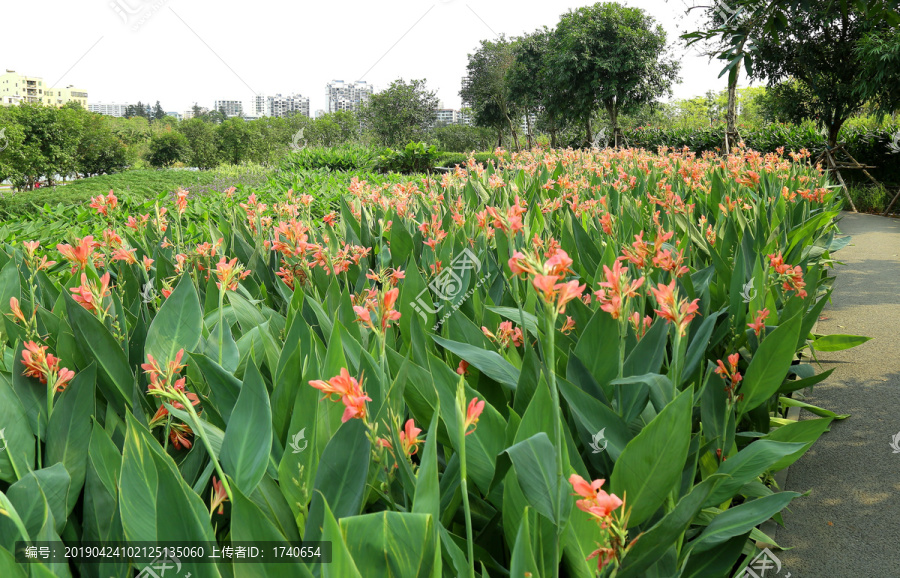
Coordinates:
(185,51)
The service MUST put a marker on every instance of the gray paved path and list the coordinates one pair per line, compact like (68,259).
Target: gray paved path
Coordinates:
(849,524)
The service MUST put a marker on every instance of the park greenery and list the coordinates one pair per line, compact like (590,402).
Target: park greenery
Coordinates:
(563,340)
(408,368)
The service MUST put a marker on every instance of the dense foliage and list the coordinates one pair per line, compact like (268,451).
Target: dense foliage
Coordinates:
(487,344)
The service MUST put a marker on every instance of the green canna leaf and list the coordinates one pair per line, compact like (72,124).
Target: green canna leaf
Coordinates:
(248,437)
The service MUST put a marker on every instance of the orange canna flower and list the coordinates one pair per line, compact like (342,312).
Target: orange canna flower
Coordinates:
(759,323)
(680,312)
(409,438)
(218,497)
(472,414)
(81,254)
(89,295)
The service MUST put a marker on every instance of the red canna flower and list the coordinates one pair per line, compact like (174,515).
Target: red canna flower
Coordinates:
(81,254)
(463,368)
(218,497)
(90,295)
(44,367)
(348,390)
(409,438)
(16,311)
(680,312)
(618,290)
(759,323)
(229,273)
(472,414)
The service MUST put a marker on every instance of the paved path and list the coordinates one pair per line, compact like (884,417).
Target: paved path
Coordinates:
(849,524)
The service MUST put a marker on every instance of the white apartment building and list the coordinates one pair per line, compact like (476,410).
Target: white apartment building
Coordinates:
(345,96)
(109,109)
(290,104)
(230,107)
(445,116)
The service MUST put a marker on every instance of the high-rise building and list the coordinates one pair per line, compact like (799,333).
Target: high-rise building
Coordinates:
(111,109)
(177,115)
(290,104)
(17,88)
(261,105)
(445,116)
(230,107)
(342,95)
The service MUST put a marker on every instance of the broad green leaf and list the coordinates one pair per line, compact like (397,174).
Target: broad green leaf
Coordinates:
(70,427)
(522,563)
(747,465)
(342,564)
(769,365)
(653,544)
(650,466)
(740,520)
(488,362)
(18,458)
(838,342)
(96,343)
(340,477)
(248,437)
(250,524)
(391,543)
(534,462)
(804,432)
(177,325)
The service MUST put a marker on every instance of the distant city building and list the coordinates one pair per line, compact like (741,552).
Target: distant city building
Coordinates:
(229,107)
(176,115)
(291,104)
(445,116)
(117,109)
(17,88)
(260,105)
(320,113)
(347,96)
(465,116)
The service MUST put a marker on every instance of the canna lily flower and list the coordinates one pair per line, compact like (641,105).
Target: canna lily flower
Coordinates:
(16,311)
(348,390)
(147,263)
(44,367)
(229,273)
(680,312)
(595,501)
(218,497)
(568,326)
(618,290)
(178,435)
(759,324)
(90,296)
(81,254)
(127,255)
(472,414)
(463,368)
(731,374)
(409,438)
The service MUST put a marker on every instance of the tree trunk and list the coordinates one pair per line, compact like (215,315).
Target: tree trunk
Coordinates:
(834,127)
(731,113)
(528,128)
(500,136)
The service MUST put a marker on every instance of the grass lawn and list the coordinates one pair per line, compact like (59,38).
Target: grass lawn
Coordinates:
(139,183)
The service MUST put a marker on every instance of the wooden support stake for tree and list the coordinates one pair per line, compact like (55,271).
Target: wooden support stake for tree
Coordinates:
(834,169)
(860,165)
(891,204)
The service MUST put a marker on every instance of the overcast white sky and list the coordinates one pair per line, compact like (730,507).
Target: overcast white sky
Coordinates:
(185,51)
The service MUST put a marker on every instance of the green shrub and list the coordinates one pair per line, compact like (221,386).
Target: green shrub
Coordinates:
(415,158)
(461,159)
(342,158)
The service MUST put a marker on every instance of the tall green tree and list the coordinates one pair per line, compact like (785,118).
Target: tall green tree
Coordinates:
(819,48)
(486,90)
(168,148)
(42,144)
(879,53)
(158,112)
(613,57)
(402,113)
(529,81)
(201,139)
(99,151)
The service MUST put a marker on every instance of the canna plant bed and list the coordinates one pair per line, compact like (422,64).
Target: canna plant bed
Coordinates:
(570,363)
